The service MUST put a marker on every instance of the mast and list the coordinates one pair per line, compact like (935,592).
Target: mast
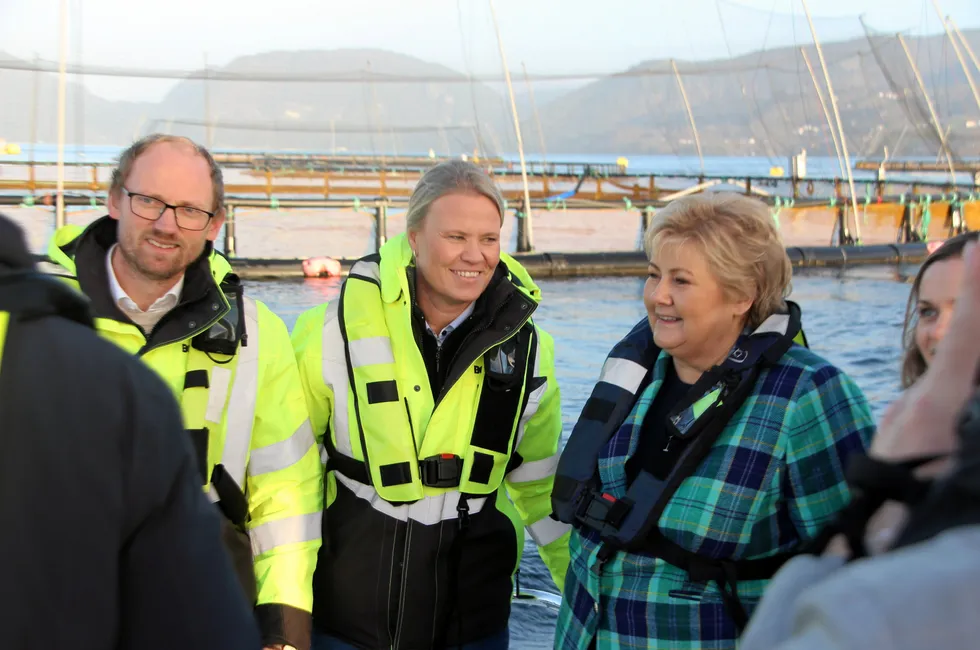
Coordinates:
(534,111)
(209,126)
(964,43)
(840,128)
(959,54)
(690,115)
(526,245)
(932,110)
(826,111)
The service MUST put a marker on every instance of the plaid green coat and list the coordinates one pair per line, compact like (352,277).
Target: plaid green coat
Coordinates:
(773,479)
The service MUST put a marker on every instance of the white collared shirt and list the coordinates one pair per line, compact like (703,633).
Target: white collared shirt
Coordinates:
(148,319)
(448,329)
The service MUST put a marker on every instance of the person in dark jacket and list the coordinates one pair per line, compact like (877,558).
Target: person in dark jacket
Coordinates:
(109,541)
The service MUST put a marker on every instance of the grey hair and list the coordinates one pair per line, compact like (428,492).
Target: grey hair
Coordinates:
(450,177)
(128,158)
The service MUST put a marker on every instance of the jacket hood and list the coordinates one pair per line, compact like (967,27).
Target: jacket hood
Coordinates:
(396,254)
(14,254)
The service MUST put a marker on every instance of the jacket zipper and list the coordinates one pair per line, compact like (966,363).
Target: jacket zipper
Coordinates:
(147,347)
(513,332)
(470,336)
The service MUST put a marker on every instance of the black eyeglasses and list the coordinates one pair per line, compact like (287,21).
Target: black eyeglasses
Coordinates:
(151,209)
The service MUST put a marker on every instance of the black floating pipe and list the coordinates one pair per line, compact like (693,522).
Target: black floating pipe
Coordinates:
(630,263)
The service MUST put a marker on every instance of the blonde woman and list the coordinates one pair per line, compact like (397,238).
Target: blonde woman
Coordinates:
(713,444)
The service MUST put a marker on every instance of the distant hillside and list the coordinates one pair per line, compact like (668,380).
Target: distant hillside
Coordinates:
(779,112)
(757,104)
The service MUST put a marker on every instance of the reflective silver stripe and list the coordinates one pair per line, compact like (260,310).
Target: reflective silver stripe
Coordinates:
(623,373)
(335,376)
(545,531)
(534,470)
(534,399)
(291,530)
(220,382)
(367,269)
(50,268)
(241,406)
(777,323)
(371,351)
(428,510)
(284,453)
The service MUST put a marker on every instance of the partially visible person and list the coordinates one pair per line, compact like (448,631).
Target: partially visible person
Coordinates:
(433,391)
(161,292)
(108,541)
(930,305)
(712,446)
(919,584)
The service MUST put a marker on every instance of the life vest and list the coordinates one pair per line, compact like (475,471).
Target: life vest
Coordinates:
(630,523)
(399,441)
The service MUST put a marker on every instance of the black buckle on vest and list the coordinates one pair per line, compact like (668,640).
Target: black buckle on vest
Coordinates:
(600,509)
(442,471)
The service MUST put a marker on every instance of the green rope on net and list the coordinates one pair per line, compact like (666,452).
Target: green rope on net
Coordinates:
(357,204)
(274,203)
(505,205)
(629,204)
(924,223)
(92,202)
(833,202)
(28,201)
(774,212)
(901,200)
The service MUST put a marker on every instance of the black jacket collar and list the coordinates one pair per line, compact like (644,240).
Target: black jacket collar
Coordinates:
(197,301)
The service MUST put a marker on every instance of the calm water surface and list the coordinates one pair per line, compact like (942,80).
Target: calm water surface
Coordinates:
(851,318)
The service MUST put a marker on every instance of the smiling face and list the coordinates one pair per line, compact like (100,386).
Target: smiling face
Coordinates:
(457,249)
(690,314)
(939,287)
(160,251)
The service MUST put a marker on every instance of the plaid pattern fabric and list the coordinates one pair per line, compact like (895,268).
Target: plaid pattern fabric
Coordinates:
(773,479)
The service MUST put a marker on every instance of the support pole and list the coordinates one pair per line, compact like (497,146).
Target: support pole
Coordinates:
(826,112)
(932,111)
(208,125)
(840,127)
(690,114)
(59,214)
(230,231)
(959,54)
(537,121)
(525,243)
(380,226)
(964,43)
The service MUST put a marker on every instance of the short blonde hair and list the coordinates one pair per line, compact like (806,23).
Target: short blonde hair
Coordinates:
(740,242)
(450,177)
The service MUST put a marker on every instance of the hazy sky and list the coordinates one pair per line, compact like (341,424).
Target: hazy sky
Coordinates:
(546,35)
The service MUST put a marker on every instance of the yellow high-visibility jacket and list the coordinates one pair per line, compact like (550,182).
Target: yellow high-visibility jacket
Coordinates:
(243,408)
(429,495)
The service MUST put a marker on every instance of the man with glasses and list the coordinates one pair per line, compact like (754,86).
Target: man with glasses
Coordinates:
(160,291)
